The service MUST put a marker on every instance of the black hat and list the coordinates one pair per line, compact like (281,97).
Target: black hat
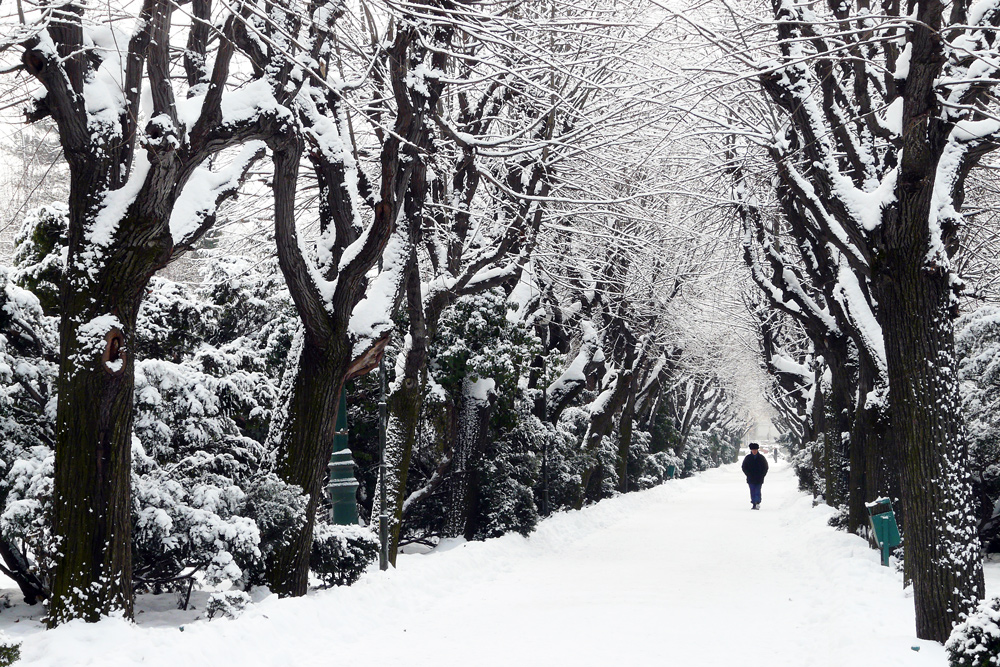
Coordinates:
(754,445)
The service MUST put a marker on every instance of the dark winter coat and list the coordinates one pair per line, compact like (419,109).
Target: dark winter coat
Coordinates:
(755,467)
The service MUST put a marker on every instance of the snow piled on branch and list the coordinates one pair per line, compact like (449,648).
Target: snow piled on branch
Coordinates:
(371,319)
(115,206)
(201,194)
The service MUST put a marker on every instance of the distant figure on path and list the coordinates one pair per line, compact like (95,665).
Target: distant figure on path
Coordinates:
(755,468)
(775,454)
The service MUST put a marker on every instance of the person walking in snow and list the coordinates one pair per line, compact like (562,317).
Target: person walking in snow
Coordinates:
(755,468)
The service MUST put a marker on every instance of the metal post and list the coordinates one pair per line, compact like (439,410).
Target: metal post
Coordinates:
(383,517)
(885,539)
(342,485)
(545,448)
(545,477)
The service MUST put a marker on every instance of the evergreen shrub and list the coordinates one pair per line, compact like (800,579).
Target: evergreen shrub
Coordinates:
(228,604)
(10,650)
(976,641)
(340,554)
(804,463)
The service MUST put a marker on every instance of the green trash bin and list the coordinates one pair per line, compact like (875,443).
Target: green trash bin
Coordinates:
(884,528)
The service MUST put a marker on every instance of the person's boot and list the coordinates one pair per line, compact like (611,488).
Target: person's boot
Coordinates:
(756,506)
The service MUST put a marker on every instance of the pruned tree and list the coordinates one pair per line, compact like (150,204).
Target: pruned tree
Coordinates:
(498,148)
(873,125)
(140,194)
(345,316)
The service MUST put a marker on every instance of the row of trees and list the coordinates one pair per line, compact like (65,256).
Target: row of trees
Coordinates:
(470,191)
(850,133)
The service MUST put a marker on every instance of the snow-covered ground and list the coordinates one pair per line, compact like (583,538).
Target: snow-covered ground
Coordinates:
(684,574)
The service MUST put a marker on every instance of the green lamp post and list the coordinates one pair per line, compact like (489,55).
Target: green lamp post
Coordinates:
(383,517)
(343,486)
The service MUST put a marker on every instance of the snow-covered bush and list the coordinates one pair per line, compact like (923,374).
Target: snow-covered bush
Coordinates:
(475,338)
(804,462)
(505,475)
(277,509)
(201,412)
(645,469)
(976,641)
(172,321)
(227,604)
(341,554)
(255,317)
(505,501)
(39,253)
(185,520)
(27,510)
(977,341)
(604,478)
(10,650)
(29,347)
(698,453)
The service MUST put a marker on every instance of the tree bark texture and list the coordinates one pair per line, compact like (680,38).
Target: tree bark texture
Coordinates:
(942,546)
(93,448)
(625,424)
(913,286)
(405,404)
(838,425)
(305,448)
(941,538)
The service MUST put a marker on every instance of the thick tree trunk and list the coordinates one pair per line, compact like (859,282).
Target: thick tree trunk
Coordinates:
(93,444)
(93,473)
(863,440)
(307,429)
(625,424)
(405,404)
(838,423)
(942,546)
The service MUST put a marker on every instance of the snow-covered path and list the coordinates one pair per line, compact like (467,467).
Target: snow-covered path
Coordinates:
(684,574)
